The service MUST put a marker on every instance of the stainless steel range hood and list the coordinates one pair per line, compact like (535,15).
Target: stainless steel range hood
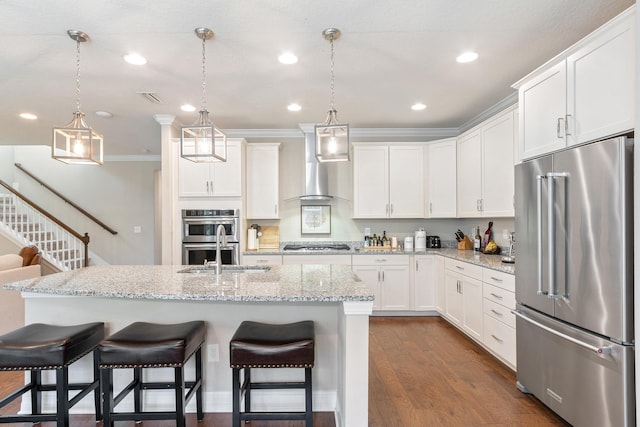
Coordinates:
(316,173)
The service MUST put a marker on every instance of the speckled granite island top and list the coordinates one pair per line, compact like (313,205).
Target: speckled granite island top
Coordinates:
(282,283)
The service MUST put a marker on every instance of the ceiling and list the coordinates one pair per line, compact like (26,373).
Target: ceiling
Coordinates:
(389,56)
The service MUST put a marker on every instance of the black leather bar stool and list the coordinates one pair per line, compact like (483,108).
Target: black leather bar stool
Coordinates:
(149,345)
(261,345)
(39,347)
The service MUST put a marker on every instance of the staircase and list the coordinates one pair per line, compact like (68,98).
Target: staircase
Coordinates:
(61,247)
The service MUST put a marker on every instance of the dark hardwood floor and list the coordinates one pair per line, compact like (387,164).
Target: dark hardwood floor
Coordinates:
(422,372)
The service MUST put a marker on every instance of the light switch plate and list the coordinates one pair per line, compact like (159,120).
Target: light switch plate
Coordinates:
(137,229)
(505,234)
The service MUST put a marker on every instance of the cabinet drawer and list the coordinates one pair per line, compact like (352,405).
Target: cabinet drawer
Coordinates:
(501,339)
(499,312)
(382,260)
(316,259)
(262,259)
(465,268)
(498,278)
(499,296)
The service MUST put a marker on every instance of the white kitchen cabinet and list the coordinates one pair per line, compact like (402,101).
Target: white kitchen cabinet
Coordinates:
(217,179)
(585,93)
(316,259)
(440,285)
(498,289)
(263,180)
(261,259)
(388,181)
(463,299)
(440,176)
(485,178)
(387,276)
(424,283)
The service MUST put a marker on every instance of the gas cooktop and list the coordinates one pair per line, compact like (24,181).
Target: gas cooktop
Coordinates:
(316,247)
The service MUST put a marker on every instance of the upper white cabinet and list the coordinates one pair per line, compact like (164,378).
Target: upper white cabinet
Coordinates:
(263,173)
(440,177)
(584,94)
(388,181)
(485,179)
(218,179)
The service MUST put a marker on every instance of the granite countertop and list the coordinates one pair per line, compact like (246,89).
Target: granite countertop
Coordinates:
(286,283)
(493,262)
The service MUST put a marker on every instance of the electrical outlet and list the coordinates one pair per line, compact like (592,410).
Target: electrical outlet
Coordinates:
(505,234)
(213,353)
(137,229)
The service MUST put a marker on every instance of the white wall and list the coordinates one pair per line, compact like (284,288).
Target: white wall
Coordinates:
(120,194)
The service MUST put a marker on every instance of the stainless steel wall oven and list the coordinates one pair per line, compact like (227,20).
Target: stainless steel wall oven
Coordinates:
(199,235)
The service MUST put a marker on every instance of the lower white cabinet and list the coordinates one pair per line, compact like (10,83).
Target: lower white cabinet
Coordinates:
(388,278)
(463,282)
(498,291)
(424,283)
(258,259)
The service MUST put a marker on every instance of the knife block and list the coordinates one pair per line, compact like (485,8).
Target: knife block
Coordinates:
(465,244)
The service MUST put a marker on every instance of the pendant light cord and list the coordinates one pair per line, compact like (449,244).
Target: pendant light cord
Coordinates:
(78,74)
(332,104)
(204,77)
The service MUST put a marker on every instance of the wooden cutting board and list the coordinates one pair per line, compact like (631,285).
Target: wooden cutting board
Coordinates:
(270,238)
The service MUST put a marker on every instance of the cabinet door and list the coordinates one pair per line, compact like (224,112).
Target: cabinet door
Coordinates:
(542,103)
(601,85)
(469,174)
(440,285)
(370,182)
(453,298)
(472,303)
(425,283)
(193,179)
(263,173)
(370,276)
(498,139)
(406,181)
(441,179)
(227,176)
(394,288)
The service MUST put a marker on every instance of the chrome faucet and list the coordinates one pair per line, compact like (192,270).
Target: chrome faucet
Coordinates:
(221,239)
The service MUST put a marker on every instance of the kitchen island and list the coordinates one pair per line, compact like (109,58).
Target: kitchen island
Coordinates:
(330,295)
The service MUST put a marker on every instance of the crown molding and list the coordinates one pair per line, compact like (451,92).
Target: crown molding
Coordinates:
(490,112)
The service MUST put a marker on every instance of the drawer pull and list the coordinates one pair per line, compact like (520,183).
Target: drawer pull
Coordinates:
(496,279)
(459,267)
(496,338)
(381,260)
(497,313)
(496,296)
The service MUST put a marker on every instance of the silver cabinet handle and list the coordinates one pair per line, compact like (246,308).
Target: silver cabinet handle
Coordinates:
(496,296)
(481,205)
(459,267)
(381,260)
(496,338)
(566,125)
(597,350)
(496,279)
(539,237)
(383,275)
(559,126)
(430,207)
(416,265)
(386,209)
(378,275)
(391,210)
(275,209)
(207,187)
(497,313)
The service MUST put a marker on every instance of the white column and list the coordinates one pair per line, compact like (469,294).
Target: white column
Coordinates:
(352,407)
(166,187)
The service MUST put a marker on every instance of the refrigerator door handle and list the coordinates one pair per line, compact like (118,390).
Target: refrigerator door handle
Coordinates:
(551,229)
(539,178)
(597,350)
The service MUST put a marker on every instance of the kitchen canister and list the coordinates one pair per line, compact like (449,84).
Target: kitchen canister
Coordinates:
(408,243)
(421,240)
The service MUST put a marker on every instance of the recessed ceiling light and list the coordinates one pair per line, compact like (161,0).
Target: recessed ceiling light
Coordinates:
(418,106)
(294,107)
(28,116)
(467,57)
(104,114)
(135,59)
(188,108)
(287,58)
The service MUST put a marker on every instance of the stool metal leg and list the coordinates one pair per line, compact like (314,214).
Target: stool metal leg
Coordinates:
(308,397)
(106,382)
(62,394)
(180,397)
(137,391)
(199,410)
(236,397)
(97,392)
(36,399)
(247,389)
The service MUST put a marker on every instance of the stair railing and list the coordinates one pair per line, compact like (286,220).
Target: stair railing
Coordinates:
(30,224)
(78,208)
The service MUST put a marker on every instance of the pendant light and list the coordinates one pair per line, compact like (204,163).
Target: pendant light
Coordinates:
(332,138)
(202,141)
(76,142)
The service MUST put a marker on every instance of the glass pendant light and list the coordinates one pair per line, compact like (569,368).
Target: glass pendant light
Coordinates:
(76,142)
(202,141)
(332,138)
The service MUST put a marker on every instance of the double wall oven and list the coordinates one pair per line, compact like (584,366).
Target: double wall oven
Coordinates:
(199,236)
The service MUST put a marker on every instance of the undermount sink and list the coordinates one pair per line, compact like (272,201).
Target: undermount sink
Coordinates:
(226,269)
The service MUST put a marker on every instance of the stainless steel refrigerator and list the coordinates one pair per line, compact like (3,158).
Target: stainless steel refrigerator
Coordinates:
(574,282)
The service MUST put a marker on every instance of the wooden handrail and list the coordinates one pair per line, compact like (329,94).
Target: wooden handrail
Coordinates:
(85,239)
(85,213)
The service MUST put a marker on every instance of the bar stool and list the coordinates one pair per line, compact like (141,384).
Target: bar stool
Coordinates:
(261,345)
(149,345)
(39,347)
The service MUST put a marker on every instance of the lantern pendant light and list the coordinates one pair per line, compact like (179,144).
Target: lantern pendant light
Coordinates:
(202,141)
(76,142)
(332,138)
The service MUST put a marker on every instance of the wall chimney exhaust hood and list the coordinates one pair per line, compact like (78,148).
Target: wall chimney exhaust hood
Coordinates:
(316,173)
